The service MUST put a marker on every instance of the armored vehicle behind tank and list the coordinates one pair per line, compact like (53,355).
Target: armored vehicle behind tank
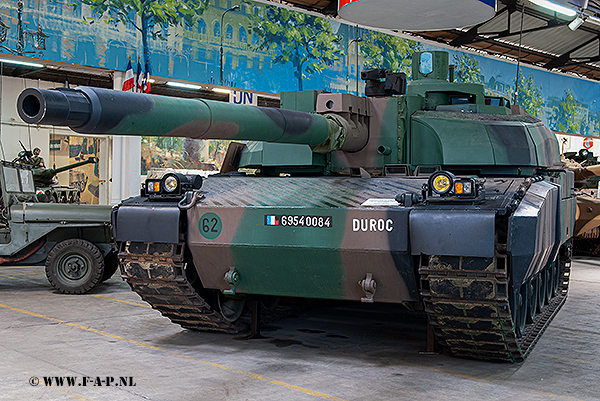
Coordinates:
(436,197)
(586,237)
(47,187)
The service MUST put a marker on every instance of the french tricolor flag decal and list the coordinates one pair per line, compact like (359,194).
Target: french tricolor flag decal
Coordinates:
(272,221)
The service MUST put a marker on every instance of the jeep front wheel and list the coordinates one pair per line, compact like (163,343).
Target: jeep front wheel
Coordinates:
(74,266)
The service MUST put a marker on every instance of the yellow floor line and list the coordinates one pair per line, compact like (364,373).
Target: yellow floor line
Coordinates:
(22,274)
(121,300)
(19,278)
(273,381)
(76,396)
(153,347)
(573,331)
(566,358)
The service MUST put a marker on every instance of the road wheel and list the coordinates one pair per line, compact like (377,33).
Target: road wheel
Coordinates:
(532,296)
(549,283)
(555,277)
(231,308)
(111,264)
(268,305)
(74,266)
(542,293)
(518,307)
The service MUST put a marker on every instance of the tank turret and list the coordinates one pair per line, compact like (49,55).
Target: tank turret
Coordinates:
(424,127)
(436,196)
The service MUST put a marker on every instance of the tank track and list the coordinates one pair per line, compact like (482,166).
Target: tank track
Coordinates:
(467,302)
(466,299)
(157,273)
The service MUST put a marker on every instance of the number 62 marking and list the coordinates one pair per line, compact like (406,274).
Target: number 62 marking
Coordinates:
(210,225)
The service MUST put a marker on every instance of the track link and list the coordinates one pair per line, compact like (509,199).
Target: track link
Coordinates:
(157,273)
(467,302)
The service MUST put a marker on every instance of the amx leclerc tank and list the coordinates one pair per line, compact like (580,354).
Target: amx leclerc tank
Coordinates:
(439,198)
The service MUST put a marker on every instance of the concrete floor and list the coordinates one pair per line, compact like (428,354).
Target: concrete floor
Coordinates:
(331,353)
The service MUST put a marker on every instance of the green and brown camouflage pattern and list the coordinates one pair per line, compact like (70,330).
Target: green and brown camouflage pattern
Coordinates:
(424,127)
(320,219)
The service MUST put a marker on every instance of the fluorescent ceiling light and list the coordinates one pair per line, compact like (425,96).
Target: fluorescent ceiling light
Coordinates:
(221,90)
(555,7)
(576,23)
(28,64)
(182,85)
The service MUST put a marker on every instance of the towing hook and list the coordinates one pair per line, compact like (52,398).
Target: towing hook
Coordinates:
(409,198)
(189,200)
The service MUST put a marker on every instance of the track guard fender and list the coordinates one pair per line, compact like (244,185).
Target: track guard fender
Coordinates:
(146,224)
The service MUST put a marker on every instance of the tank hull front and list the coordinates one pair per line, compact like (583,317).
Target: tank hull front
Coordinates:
(319,237)
(468,264)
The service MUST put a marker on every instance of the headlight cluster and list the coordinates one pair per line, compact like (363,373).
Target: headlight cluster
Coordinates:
(172,185)
(444,184)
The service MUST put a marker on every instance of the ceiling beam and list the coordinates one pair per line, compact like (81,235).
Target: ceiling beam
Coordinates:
(473,33)
(473,36)
(563,59)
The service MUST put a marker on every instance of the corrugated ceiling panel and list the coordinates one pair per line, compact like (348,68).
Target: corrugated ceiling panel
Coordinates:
(590,50)
(556,41)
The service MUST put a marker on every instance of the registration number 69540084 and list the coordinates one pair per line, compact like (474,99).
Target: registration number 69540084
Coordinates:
(299,221)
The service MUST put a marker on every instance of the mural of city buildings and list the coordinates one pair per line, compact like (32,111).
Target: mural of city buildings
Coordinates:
(270,49)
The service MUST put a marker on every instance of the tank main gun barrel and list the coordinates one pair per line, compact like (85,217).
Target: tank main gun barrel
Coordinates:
(102,111)
(72,165)
(43,176)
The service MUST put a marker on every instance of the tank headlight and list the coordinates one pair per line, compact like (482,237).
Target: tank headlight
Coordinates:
(153,186)
(171,186)
(443,186)
(442,182)
(170,183)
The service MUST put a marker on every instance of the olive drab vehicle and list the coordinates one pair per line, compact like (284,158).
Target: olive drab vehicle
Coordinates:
(47,187)
(73,241)
(49,190)
(434,196)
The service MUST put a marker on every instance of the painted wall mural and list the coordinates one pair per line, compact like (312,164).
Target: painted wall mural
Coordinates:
(182,153)
(272,49)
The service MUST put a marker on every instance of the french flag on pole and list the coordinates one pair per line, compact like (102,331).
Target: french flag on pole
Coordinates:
(139,78)
(146,87)
(129,80)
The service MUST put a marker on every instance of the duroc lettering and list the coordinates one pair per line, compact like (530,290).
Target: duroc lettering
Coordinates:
(372,225)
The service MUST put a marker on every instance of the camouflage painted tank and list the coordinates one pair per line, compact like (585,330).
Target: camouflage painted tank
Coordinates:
(437,197)
(49,190)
